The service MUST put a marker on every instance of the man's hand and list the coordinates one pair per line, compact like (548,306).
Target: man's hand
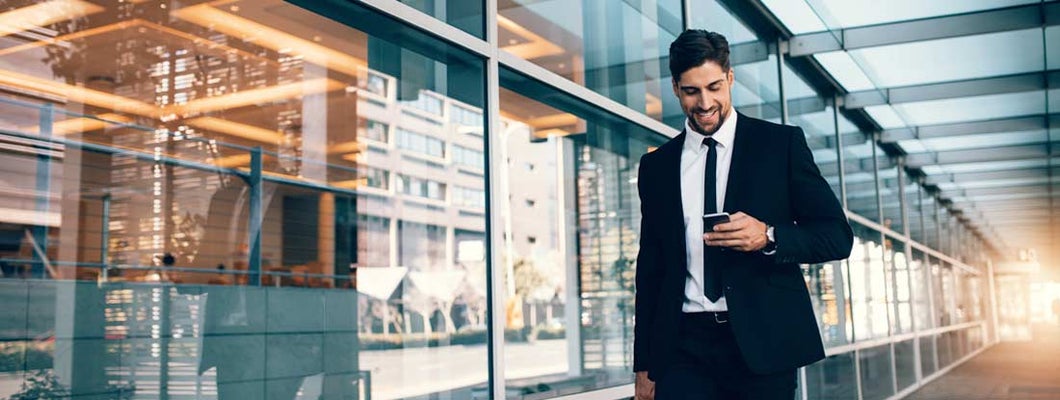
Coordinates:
(743,232)
(644,387)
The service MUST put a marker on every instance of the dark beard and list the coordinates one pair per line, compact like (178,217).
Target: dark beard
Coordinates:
(699,129)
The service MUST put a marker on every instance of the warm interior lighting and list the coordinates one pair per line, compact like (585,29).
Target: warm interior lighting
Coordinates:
(73,36)
(245,98)
(236,129)
(42,14)
(350,184)
(554,132)
(346,147)
(271,38)
(202,105)
(352,157)
(535,47)
(79,125)
(653,106)
(237,160)
(554,120)
(77,94)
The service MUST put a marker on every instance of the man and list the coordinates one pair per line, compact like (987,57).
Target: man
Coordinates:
(724,313)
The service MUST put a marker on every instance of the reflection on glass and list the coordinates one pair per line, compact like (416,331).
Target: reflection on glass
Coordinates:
(832,378)
(921,280)
(868,285)
(859,176)
(614,48)
(820,128)
(905,363)
(570,227)
(876,372)
(467,15)
(927,355)
(899,296)
(372,161)
(831,301)
(890,201)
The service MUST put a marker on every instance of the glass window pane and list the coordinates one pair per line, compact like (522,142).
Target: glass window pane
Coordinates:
(830,296)
(914,208)
(163,109)
(845,70)
(868,284)
(797,16)
(905,363)
(1010,52)
(572,221)
(468,15)
(890,200)
(859,176)
(876,372)
(921,279)
(613,48)
(833,378)
(901,310)
(856,13)
(927,355)
(974,108)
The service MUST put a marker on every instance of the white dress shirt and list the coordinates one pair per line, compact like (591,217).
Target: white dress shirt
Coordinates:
(693,168)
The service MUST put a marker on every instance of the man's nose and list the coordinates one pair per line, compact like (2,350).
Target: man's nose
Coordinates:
(703,101)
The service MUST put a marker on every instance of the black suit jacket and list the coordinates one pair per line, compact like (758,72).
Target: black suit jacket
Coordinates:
(773,178)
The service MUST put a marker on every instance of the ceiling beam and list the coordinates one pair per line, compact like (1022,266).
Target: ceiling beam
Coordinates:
(1001,125)
(1014,190)
(968,177)
(829,141)
(949,26)
(1005,153)
(1032,81)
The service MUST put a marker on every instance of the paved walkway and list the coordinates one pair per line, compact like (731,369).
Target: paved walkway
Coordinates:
(1026,370)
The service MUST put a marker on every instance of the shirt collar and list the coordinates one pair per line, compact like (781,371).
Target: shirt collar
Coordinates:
(724,136)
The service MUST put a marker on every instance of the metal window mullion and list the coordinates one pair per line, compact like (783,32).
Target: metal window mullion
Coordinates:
(686,14)
(436,27)
(781,45)
(857,372)
(495,288)
(255,218)
(41,266)
(839,152)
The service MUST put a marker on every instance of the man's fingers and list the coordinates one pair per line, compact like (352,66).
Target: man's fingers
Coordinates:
(730,226)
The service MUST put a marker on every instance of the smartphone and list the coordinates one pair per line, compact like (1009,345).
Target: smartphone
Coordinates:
(710,220)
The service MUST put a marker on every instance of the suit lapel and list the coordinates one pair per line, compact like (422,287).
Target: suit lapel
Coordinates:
(743,148)
(672,181)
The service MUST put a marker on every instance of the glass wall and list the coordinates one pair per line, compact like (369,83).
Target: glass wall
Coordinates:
(308,199)
(262,200)
(617,49)
(571,225)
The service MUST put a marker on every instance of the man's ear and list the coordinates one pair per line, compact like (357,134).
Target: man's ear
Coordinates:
(673,81)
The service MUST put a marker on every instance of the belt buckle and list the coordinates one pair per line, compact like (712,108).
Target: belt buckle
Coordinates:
(720,321)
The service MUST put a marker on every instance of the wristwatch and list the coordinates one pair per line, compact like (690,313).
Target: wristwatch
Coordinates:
(771,246)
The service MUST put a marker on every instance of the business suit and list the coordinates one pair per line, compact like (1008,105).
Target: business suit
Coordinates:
(774,179)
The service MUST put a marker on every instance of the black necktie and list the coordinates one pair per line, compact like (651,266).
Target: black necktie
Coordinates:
(711,270)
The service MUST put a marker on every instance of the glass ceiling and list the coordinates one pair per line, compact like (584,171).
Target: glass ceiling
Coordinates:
(949,70)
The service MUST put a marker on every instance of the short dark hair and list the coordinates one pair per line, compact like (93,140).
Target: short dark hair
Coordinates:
(694,47)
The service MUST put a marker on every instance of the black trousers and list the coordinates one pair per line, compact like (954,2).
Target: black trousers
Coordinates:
(710,367)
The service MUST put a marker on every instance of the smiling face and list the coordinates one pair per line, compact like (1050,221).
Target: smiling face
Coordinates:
(705,93)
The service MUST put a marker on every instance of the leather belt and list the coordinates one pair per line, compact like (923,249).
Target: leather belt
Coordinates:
(714,317)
